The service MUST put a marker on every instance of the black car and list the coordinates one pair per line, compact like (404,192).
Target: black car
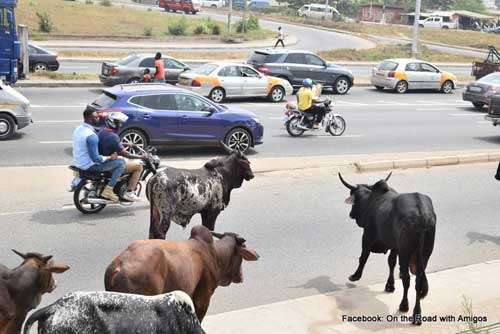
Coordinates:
(41,60)
(297,65)
(479,92)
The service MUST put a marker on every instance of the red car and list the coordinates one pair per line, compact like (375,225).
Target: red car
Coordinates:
(185,6)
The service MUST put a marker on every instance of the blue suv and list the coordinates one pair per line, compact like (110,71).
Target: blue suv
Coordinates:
(163,114)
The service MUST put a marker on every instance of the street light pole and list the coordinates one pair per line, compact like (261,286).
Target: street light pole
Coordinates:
(414,45)
(230,13)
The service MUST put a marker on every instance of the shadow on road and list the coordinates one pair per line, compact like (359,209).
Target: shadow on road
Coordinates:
(323,285)
(482,238)
(489,139)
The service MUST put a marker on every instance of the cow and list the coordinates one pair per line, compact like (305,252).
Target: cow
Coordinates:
(117,313)
(178,194)
(405,224)
(196,266)
(21,288)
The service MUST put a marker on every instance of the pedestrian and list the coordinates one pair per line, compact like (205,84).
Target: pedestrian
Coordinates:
(281,38)
(147,75)
(160,69)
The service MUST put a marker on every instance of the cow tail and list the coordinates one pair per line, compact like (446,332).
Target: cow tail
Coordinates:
(421,285)
(39,315)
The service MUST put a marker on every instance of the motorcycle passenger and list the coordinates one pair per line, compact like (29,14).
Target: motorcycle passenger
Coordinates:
(86,154)
(110,143)
(306,102)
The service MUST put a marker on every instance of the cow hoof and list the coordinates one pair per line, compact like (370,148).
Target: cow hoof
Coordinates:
(403,307)
(354,278)
(417,321)
(389,288)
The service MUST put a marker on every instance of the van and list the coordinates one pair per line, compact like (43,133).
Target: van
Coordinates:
(317,11)
(14,111)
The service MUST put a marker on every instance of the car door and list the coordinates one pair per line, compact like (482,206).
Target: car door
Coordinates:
(315,69)
(431,78)
(173,69)
(413,75)
(254,84)
(157,115)
(198,119)
(295,64)
(231,79)
(148,62)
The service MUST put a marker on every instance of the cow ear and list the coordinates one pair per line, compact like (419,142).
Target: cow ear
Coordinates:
(248,254)
(58,268)
(212,164)
(381,186)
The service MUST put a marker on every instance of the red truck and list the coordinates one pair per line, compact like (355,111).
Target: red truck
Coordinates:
(186,6)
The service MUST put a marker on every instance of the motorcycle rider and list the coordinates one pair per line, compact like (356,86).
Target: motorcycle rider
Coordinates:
(307,102)
(110,143)
(86,154)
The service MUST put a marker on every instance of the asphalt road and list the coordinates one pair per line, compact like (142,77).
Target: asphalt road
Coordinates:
(377,122)
(298,223)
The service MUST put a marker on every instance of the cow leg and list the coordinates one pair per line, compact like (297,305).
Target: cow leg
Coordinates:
(404,272)
(391,261)
(159,223)
(365,252)
(208,218)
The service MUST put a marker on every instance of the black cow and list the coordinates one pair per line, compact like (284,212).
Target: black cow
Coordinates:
(497,175)
(405,224)
(117,313)
(178,194)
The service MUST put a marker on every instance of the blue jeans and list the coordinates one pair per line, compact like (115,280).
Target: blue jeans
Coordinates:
(116,167)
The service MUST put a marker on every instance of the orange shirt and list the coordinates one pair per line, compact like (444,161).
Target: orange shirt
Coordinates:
(160,69)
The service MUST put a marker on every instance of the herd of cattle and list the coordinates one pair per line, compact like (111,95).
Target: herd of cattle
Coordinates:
(160,286)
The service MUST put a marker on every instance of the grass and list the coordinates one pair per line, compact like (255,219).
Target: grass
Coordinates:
(175,54)
(63,76)
(75,18)
(382,52)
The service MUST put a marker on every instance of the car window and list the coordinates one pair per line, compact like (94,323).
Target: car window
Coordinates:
(248,72)
(427,68)
(314,60)
(32,50)
(388,66)
(126,60)
(148,101)
(105,100)
(147,62)
(412,67)
(173,64)
(295,58)
(275,58)
(492,79)
(206,69)
(230,71)
(191,103)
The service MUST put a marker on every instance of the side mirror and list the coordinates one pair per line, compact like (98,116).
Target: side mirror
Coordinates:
(211,111)
(187,68)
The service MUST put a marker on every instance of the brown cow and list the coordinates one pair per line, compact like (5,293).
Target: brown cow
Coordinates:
(21,288)
(196,266)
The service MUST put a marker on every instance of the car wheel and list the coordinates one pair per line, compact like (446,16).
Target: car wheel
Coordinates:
(134,137)
(447,87)
(420,25)
(277,94)
(401,87)
(341,86)
(214,6)
(133,80)
(40,67)
(238,139)
(445,27)
(217,95)
(379,88)
(7,127)
(478,105)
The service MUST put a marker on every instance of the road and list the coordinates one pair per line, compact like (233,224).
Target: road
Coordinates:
(297,221)
(359,70)
(377,122)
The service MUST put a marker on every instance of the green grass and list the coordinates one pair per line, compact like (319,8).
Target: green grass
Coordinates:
(62,76)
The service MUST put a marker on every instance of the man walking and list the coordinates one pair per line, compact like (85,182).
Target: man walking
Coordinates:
(160,68)
(281,38)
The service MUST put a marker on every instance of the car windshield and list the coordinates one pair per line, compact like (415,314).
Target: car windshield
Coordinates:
(388,66)
(258,57)
(206,69)
(491,79)
(126,60)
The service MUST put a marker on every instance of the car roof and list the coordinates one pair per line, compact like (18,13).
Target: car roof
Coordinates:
(142,88)
(275,51)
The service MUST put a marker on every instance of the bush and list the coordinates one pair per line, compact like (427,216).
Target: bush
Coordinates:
(44,22)
(179,28)
(251,24)
(106,3)
(209,23)
(89,2)
(200,30)
(148,31)
(216,30)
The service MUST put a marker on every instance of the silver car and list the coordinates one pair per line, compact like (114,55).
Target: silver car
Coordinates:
(131,69)
(14,111)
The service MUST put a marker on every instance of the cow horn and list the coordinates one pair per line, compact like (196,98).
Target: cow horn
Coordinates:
(46,259)
(24,256)
(388,177)
(345,183)
(227,148)
(217,235)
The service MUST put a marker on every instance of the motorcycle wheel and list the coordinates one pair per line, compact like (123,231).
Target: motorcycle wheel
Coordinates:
(80,194)
(336,126)
(292,129)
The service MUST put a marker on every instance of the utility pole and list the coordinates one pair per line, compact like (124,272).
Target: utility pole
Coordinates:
(229,15)
(414,45)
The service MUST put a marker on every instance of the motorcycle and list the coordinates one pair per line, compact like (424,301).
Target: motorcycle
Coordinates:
(297,122)
(86,196)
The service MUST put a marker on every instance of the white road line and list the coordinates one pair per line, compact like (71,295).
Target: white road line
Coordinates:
(350,103)
(40,106)
(59,121)
(483,122)
(343,136)
(463,114)
(15,213)
(434,109)
(57,142)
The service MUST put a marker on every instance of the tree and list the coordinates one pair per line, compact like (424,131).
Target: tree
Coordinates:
(472,5)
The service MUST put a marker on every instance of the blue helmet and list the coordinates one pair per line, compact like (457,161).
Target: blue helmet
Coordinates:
(307,83)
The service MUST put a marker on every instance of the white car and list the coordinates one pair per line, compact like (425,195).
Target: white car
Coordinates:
(317,11)
(14,111)
(218,81)
(213,3)
(438,22)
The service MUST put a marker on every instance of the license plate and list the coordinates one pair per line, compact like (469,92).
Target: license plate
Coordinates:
(474,89)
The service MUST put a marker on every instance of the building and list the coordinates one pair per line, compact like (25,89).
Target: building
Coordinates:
(464,18)
(379,13)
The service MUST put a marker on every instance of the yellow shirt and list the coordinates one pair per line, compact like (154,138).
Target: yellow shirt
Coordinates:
(305,97)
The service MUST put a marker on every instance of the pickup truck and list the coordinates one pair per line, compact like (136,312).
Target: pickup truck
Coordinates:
(437,22)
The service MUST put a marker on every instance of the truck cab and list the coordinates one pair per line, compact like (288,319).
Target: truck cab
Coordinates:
(437,22)
(10,47)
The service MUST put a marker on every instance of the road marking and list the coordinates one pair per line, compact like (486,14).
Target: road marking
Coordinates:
(463,114)
(59,121)
(483,122)
(57,142)
(73,106)
(350,103)
(343,136)
(14,213)
(434,109)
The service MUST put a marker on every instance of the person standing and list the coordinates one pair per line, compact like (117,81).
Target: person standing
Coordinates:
(281,38)
(160,69)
